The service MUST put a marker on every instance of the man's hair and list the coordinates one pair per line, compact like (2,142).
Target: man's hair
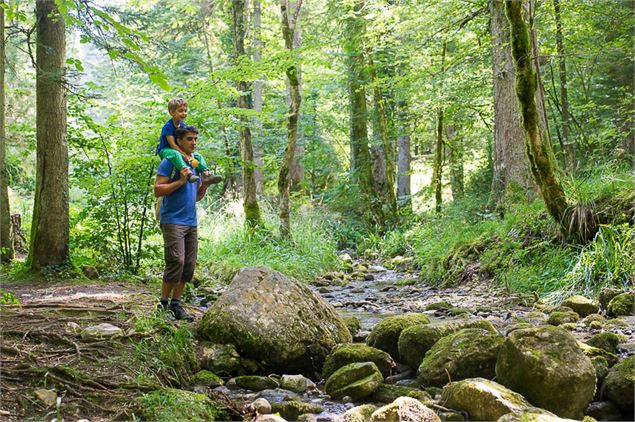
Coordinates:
(175,103)
(180,132)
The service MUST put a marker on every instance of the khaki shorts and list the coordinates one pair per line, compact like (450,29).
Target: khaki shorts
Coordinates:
(180,245)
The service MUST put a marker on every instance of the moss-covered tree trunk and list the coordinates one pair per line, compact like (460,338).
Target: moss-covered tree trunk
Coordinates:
(258,84)
(541,160)
(510,166)
(455,145)
(250,201)
(439,149)
(288,23)
(361,164)
(6,246)
(50,226)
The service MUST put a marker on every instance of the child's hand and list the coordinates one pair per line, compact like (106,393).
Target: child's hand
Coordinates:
(185,174)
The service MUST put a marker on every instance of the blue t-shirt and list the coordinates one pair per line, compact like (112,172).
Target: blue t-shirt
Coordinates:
(179,207)
(168,129)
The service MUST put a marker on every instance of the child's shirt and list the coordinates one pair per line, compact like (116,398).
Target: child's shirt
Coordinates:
(168,130)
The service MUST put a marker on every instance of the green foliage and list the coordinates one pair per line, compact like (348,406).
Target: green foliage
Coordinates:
(8,298)
(225,245)
(169,405)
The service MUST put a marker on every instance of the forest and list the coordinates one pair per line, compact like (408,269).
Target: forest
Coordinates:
(415,196)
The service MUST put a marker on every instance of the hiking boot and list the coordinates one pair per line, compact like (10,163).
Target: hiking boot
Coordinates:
(180,314)
(192,178)
(164,310)
(212,179)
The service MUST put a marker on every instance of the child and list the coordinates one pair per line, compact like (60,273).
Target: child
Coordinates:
(167,148)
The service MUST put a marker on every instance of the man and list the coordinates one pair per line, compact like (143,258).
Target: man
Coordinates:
(179,223)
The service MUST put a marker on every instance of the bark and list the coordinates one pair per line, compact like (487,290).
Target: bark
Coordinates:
(284,178)
(542,163)
(437,181)
(455,144)
(383,156)
(510,163)
(403,166)
(50,225)
(250,200)
(569,146)
(257,50)
(361,170)
(6,246)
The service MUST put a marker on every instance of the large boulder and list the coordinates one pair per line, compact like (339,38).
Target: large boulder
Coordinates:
(548,368)
(358,413)
(482,399)
(468,353)
(344,354)
(385,334)
(415,341)
(405,409)
(533,414)
(275,320)
(355,380)
(581,305)
(619,384)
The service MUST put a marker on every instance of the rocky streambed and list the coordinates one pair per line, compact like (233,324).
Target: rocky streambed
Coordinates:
(413,344)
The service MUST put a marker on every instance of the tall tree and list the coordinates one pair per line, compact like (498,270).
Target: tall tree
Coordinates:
(510,162)
(569,152)
(361,164)
(257,54)
(250,200)
(403,160)
(6,246)
(542,163)
(50,226)
(288,23)
(439,148)
(455,146)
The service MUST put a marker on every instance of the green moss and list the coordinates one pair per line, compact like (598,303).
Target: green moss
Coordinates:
(619,384)
(356,380)
(562,317)
(622,304)
(346,353)
(256,383)
(291,409)
(353,324)
(170,404)
(207,378)
(387,393)
(438,306)
(385,335)
(605,340)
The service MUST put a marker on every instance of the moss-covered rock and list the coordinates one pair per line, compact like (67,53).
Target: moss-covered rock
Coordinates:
(533,414)
(415,341)
(482,399)
(592,352)
(346,353)
(606,294)
(622,304)
(296,383)
(220,358)
(170,404)
(355,380)
(619,384)
(274,320)
(605,340)
(387,393)
(604,411)
(562,317)
(353,324)
(405,409)
(468,353)
(581,305)
(207,378)
(291,409)
(358,413)
(548,368)
(438,306)
(594,318)
(256,383)
(601,369)
(385,335)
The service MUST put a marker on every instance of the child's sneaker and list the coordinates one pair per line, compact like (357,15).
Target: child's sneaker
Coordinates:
(192,178)
(212,179)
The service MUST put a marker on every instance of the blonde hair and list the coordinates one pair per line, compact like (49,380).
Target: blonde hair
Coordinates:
(176,103)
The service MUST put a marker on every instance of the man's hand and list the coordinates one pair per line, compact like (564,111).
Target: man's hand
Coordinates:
(185,173)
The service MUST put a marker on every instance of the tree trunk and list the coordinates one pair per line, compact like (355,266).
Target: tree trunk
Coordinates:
(542,163)
(569,146)
(385,172)
(403,168)
(50,226)
(250,202)
(288,24)
(437,172)
(257,49)
(455,144)
(361,169)
(6,246)
(510,163)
